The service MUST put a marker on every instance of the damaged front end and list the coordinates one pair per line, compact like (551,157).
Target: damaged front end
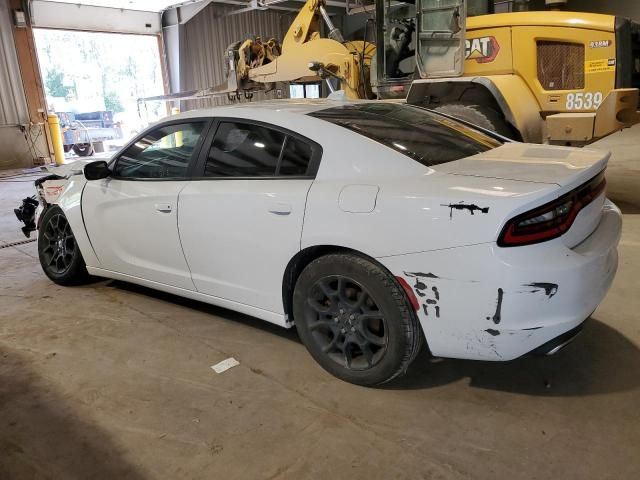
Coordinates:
(26,213)
(48,189)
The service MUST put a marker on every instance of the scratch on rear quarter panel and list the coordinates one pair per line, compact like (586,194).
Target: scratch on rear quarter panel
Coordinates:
(420,274)
(550,289)
(496,316)
(419,287)
(422,290)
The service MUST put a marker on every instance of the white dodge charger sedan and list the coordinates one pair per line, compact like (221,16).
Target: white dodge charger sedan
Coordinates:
(375,228)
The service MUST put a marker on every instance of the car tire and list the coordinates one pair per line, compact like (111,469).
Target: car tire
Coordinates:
(58,251)
(480,115)
(355,320)
(83,149)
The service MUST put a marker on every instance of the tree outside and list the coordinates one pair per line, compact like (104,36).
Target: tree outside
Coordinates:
(54,84)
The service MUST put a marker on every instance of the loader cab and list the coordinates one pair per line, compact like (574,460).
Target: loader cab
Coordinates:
(420,39)
(627,53)
(395,63)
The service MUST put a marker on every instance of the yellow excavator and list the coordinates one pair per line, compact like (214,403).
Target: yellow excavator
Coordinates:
(543,77)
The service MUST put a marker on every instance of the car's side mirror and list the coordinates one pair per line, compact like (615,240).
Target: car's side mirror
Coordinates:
(96,170)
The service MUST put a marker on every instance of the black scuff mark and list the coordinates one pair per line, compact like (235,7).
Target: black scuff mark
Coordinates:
(493,332)
(550,289)
(488,345)
(472,207)
(420,274)
(497,316)
(430,301)
(532,328)
(432,275)
(424,291)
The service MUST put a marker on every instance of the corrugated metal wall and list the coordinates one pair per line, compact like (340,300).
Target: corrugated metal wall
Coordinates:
(206,37)
(13,105)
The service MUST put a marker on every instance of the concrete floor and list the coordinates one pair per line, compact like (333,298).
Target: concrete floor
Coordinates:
(114,381)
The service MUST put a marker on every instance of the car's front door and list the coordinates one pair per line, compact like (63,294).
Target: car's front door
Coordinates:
(241,221)
(131,216)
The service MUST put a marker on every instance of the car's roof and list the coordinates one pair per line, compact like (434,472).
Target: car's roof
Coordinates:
(300,106)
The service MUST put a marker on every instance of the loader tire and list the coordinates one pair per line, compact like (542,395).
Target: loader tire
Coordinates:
(480,115)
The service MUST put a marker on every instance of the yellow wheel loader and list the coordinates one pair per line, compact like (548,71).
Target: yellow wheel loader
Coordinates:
(541,77)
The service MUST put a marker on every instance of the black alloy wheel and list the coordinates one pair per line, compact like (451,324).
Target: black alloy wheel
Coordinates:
(60,247)
(58,251)
(346,323)
(355,319)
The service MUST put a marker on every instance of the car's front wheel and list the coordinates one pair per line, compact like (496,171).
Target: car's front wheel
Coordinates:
(58,250)
(355,320)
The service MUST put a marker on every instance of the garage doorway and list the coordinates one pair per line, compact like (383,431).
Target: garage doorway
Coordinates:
(92,82)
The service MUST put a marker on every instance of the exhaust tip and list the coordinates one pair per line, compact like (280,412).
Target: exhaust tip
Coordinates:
(556,344)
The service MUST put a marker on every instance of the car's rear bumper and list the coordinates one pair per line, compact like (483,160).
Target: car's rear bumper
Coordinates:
(491,303)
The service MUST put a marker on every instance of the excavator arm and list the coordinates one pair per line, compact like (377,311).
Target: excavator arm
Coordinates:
(308,57)
(304,56)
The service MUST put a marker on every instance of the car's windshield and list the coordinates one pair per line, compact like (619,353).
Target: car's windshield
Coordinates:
(424,136)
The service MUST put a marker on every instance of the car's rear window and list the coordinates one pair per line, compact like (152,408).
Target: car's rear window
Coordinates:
(424,136)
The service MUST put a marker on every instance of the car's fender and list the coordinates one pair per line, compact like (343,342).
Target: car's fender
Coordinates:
(65,191)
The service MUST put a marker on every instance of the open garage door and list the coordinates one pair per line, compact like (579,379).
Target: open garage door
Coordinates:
(124,16)
(92,81)
(96,58)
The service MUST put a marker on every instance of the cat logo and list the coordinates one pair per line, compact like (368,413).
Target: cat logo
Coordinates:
(482,50)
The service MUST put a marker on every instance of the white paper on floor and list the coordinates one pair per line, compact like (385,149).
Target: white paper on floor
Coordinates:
(225,365)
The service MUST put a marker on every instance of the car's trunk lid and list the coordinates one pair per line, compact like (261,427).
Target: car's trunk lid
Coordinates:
(569,168)
(565,167)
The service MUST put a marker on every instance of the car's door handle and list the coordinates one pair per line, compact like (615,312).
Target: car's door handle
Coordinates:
(280,208)
(163,207)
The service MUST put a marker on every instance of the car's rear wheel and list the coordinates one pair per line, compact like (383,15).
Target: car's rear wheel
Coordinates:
(355,320)
(58,250)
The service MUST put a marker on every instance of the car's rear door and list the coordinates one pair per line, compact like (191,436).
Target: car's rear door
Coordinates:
(241,219)
(131,216)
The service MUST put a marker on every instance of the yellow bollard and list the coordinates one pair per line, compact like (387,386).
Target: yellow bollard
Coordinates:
(56,138)
(177,135)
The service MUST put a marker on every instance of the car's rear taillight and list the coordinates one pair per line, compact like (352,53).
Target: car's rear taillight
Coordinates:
(552,219)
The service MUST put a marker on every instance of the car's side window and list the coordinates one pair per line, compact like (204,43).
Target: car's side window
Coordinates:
(163,153)
(295,157)
(244,150)
(248,150)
